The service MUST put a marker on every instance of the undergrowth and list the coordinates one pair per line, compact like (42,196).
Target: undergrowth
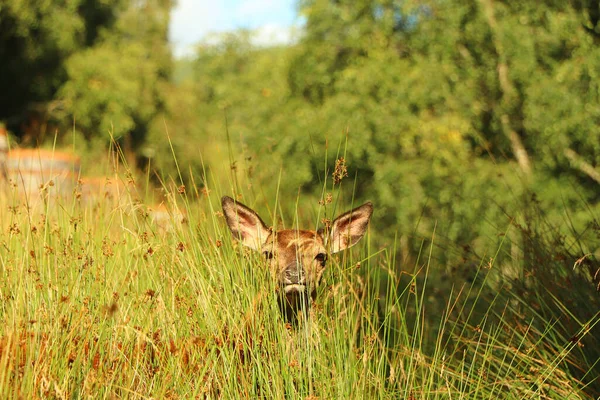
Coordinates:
(101,300)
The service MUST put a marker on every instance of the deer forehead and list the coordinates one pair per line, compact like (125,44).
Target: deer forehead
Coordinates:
(291,241)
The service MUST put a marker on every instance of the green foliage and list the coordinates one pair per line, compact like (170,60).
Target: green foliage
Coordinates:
(471,125)
(458,120)
(108,98)
(33,50)
(99,66)
(447,113)
(115,88)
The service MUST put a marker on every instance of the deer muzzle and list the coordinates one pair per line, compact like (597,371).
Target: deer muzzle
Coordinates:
(293,279)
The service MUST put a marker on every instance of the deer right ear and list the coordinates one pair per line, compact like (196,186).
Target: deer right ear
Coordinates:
(245,224)
(350,227)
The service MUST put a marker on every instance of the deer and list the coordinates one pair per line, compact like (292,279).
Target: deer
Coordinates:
(296,258)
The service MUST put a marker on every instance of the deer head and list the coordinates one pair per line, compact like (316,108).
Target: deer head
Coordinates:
(296,258)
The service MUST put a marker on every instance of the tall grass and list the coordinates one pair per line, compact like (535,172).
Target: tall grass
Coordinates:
(99,301)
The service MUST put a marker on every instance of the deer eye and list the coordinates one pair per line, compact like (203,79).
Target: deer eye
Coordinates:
(268,255)
(322,258)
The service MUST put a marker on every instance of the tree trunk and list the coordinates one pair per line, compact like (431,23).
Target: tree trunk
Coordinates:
(507,90)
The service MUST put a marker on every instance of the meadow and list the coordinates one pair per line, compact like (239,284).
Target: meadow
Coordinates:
(101,300)
(471,126)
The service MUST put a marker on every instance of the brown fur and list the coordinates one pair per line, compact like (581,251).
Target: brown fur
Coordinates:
(297,247)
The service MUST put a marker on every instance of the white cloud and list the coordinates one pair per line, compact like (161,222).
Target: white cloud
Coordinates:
(193,21)
(261,9)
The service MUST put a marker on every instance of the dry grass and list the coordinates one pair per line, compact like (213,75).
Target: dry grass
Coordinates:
(100,301)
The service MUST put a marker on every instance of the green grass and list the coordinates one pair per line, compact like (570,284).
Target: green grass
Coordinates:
(98,301)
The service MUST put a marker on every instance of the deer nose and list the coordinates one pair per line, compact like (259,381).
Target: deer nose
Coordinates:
(293,274)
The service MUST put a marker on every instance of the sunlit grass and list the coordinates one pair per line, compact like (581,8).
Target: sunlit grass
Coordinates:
(99,300)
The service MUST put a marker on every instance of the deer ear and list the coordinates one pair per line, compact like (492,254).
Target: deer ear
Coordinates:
(350,227)
(245,224)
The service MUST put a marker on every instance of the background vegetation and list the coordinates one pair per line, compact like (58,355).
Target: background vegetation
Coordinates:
(473,126)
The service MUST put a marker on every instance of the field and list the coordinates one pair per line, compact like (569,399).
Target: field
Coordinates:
(471,126)
(104,299)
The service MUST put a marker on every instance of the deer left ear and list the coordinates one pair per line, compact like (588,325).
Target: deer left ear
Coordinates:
(350,227)
(245,224)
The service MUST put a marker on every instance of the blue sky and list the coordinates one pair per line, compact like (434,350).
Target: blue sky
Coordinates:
(194,20)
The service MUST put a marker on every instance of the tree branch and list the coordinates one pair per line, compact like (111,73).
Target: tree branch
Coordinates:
(578,162)
(508,91)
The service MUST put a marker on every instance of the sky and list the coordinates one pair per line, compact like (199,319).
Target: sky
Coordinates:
(195,20)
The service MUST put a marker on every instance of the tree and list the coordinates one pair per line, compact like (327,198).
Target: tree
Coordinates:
(36,38)
(115,88)
(98,65)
